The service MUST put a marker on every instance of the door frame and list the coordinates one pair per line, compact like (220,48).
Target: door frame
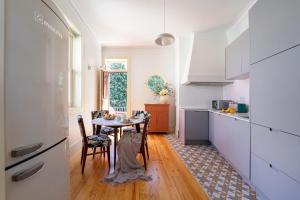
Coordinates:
(2,128)
(128,80)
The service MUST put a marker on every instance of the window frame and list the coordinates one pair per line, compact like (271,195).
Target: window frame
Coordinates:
(73,70)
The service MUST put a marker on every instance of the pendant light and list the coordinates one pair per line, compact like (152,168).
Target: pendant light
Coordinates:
(164,39)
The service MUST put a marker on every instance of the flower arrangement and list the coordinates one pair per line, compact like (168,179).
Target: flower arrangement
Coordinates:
(164,92)
(159,87)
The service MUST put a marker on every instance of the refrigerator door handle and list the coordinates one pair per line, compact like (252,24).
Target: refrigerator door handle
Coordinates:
(26,173)
(24,150)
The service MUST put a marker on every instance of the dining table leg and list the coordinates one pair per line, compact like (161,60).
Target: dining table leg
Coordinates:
(115,146)
(138,128)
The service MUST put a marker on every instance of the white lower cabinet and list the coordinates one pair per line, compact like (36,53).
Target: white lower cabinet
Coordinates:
(272,182)
(231,137)
(279,148)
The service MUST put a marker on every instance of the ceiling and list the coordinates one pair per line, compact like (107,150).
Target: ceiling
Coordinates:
(138,22)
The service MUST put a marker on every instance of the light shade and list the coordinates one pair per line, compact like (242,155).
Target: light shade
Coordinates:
(165,39)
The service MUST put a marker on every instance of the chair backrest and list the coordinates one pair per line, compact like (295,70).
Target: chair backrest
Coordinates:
(97,114)
(145,129)
(82,130)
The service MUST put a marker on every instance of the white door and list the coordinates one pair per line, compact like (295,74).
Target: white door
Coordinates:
(36,64)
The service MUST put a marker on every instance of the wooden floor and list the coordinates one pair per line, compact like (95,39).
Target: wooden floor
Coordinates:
(170,178)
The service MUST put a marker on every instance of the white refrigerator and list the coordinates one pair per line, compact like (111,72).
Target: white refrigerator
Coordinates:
(36,101)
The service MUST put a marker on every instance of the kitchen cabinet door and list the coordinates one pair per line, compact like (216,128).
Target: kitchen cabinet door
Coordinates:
(272,182)
(238,149)
(159,121)
(275,94)
(245,52)
(232,139)
(233,60)
(274,27)
(162,123)
(153,121)
(220,135)
(237,58)
(278,148)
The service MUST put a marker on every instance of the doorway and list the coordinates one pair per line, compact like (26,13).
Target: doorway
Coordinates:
(115,86)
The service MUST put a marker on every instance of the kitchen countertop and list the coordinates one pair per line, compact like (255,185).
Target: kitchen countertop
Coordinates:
(239,116)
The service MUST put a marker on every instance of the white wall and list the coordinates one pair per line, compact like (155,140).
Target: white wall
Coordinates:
(239,91)
(144,62)
(91,56)
(240,24)
(2,154)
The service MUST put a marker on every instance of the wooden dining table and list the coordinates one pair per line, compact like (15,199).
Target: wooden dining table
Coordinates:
(116,124)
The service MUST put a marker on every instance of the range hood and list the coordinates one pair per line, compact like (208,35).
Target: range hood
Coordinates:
(205,60)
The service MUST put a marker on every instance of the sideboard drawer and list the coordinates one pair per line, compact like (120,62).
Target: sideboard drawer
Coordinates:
(157,107)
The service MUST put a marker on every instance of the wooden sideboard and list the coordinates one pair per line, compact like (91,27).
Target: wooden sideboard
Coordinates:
(159,117)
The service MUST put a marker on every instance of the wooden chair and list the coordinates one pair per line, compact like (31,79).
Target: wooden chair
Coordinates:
(97,129)
(144,139)
(147,115)
(92,142)
(144,132)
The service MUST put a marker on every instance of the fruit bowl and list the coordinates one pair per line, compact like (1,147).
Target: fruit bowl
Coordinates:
(109,116)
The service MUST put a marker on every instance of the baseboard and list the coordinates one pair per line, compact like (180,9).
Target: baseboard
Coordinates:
(195,142)
(75,146)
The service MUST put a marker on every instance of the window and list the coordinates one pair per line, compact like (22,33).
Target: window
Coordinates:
(75,71)
(115,84)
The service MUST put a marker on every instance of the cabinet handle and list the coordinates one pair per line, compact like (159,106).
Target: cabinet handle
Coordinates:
(24,150)
(26,173)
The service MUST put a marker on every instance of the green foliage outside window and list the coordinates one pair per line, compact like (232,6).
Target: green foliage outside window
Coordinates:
(118,89)
(117,66)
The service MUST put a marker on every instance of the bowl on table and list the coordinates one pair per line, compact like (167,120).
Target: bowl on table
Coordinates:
(109,116)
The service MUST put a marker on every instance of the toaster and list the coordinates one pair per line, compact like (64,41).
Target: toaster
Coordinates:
(219,104)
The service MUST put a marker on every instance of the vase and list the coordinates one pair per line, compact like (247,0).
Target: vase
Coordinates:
(164,99)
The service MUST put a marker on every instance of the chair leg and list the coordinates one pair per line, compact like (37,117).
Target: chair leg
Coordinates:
(84,159)
(108,157)
(103,150)
(144,157)
(94,151)
(82,149)
(147,150)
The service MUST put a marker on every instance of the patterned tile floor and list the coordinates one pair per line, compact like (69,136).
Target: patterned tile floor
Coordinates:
(214,173)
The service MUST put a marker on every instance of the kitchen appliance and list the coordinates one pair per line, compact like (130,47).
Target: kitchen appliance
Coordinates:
(36,101)
(220,104)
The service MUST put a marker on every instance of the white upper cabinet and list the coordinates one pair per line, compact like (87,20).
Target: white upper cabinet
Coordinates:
(237,58)
(245,52)
(275,94)
(274,27)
